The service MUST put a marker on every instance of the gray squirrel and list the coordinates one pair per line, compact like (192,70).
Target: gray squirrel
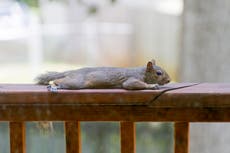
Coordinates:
(134,78)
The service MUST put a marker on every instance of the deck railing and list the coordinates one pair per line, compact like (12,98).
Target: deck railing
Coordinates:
(198,103)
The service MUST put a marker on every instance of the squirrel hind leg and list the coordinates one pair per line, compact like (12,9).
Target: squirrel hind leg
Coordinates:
(66,83)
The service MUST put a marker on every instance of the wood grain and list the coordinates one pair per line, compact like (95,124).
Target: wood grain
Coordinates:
(181,137)
(206,102)
(128,137)
(17,137)
(111,113)
(36,94)
(198,96)
(73,137)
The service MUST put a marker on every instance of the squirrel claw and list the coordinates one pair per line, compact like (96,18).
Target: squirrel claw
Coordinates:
(52,88)
(155,87)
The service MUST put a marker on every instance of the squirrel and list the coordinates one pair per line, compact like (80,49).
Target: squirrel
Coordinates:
(134,78)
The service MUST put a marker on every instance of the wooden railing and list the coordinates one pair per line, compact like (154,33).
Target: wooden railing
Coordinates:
(197,103)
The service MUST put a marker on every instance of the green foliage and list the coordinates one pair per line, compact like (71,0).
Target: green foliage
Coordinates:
(31,3)
(4,138)
(154,137)
(100,137)
(92,9)
(113,1)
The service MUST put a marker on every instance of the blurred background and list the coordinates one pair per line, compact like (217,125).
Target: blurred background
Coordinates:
(55,35)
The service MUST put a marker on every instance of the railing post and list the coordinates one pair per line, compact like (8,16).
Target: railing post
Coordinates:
(128,137)
(181,137)
(73,137)
(17,137)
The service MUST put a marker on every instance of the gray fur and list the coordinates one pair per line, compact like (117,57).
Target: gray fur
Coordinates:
(106,77)
(47,77)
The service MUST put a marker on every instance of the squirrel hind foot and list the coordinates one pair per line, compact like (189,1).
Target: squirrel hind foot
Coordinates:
(53,88)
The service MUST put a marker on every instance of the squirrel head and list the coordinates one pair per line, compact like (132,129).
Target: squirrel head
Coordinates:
(155,74)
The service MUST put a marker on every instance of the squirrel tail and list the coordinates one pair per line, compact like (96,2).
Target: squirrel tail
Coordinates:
(44,79)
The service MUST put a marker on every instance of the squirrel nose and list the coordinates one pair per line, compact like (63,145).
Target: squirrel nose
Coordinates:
(167,81)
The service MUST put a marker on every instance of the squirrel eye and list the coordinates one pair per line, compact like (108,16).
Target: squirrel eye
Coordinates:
(159,72)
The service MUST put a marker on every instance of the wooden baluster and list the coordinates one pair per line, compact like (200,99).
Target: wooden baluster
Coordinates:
(128,137)
(17,137)
(181,137)
(73,137)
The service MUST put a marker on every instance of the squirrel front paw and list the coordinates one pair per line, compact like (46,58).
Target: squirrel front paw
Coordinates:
(154,86)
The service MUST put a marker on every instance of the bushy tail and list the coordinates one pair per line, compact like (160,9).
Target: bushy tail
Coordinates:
(44,79)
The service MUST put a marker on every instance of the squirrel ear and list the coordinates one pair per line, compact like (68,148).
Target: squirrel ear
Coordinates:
(149,67)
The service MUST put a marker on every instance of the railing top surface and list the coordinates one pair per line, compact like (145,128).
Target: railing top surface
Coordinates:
(200,95)
(173,102)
